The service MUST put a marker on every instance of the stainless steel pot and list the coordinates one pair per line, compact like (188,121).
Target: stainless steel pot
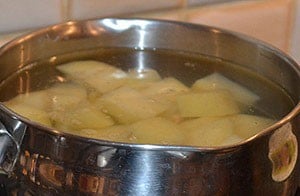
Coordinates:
(41,161)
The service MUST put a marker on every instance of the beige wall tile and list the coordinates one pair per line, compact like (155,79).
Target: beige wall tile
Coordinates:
(177,14)
(206,2)
(24,14)
(295,50)
(268,20)
(102,8)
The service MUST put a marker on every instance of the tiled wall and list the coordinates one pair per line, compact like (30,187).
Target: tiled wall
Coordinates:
(274,21)
(295,41)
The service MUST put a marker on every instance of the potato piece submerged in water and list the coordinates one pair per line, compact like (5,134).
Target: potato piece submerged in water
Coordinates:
(208,103)
(149,109)
(217,81)
(83,69)
(99,75)
(33,105)
(207,131)
(82,116)
(249,125)
(37,99)
(165,90)
(128,105)
(156,131)
(65,95)
(232,139)
(33,114)
(117,133)
(141,78)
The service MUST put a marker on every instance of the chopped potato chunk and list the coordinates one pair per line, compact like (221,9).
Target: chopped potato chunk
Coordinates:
(84,69)
(141,78)
(31,113)
(66,95)
(166,89)
(208,103)
(249,125)
(233,139)
(118,133)
(106,81)
(207,131)
(172,114)
(84,116)
(156,131)
(128,105)
(217,81)
(98,75)
(38,99)
(145,74)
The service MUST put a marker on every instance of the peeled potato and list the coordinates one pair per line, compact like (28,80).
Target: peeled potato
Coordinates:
(249,125)
(141,78)
(233,139)
(166,89)
(33,114)
(156,131)
(172,114)
(207,131)
(84,116)
(66,95)
(217,81)
(98,75)
(38,99)
(118,133)
(208,103)
(106,81)
(84,69)
(128,105)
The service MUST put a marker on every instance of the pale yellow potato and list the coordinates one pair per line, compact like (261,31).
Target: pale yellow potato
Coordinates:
(145,74)
(165,90)
(83,116)
(128,105)
(37,99)
(233,139)
(107,80)
(207,131)
(172,114)
(31,113)
(208,103)
(99,75)
(216,81)
(156,131)
(117,133)
(194,124)
(141,78)
(66,95)
(83,69)
(249,125)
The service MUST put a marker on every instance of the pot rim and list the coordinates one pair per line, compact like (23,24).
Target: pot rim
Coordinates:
(287,118)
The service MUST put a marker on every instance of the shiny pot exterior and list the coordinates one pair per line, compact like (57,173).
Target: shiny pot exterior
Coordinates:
(41,161)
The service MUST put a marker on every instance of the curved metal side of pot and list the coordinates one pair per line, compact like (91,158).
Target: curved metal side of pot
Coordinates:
(58,165)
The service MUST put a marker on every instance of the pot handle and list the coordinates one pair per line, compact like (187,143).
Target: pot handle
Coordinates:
(11,135)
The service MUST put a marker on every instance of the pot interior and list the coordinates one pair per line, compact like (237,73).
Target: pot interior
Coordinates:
(191,52)
(186,67)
